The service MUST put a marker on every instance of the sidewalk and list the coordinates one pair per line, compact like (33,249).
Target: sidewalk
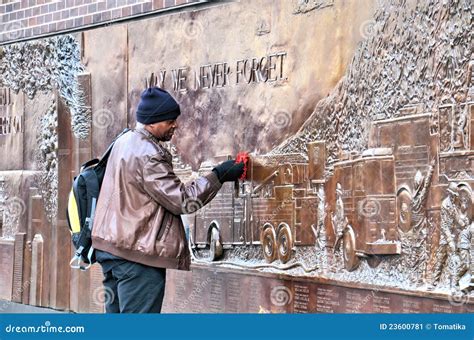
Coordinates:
(12,307)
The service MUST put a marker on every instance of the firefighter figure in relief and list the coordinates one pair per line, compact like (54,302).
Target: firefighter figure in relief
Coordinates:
(445,252)
(419,222)
(339,220)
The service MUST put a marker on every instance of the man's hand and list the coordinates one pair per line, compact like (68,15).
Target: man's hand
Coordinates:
(229,171)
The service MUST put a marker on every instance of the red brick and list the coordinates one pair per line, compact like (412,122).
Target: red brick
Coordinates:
(61,25)
(136,9)
(52,7)
(74,12)
(106,15)
(57,16)
(96,18)
(181,2)
(92,8)
(32,21)
(44,29)
(157,4)
(111,4)
(126,11)
(83,10)
(78,22)
(116,13)
(69,3)
(88,20)
(17,34)
(37,10)
(24,3)
(147,7)
(101,6)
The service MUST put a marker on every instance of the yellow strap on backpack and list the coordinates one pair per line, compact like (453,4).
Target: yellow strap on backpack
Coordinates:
(73,213)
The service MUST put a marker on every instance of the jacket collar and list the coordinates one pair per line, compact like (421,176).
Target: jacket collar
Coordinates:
(164,152)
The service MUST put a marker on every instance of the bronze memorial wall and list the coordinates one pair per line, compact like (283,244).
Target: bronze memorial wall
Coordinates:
(359,119)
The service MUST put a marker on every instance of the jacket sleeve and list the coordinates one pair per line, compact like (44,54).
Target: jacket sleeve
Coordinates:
(161,183)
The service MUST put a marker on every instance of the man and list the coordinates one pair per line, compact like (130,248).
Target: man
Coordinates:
(138,231)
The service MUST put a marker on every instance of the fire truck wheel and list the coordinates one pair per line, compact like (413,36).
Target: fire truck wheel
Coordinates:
(269,244)
(285,243)
(374,261)
(216,246)
(351,260)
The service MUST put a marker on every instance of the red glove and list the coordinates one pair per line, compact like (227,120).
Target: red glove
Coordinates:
(243,157)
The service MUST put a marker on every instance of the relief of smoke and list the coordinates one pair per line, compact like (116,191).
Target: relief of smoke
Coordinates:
(412,53)
(44,65)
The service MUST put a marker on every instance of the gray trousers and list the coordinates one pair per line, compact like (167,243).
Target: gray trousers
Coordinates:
(132,287)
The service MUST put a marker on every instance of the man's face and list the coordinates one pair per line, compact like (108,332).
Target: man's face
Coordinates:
(163,131)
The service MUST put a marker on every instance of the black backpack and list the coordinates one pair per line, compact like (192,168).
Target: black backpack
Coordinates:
(81,207)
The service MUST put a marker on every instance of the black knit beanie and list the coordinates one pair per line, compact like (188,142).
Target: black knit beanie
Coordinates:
(156,105)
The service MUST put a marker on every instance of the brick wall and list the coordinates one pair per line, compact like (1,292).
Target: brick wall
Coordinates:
(25,19)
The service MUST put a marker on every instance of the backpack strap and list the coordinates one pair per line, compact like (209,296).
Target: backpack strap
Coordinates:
(88,164)
(76,262)
(107,152)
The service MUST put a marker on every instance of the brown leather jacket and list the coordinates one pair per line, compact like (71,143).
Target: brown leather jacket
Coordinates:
(138,212)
